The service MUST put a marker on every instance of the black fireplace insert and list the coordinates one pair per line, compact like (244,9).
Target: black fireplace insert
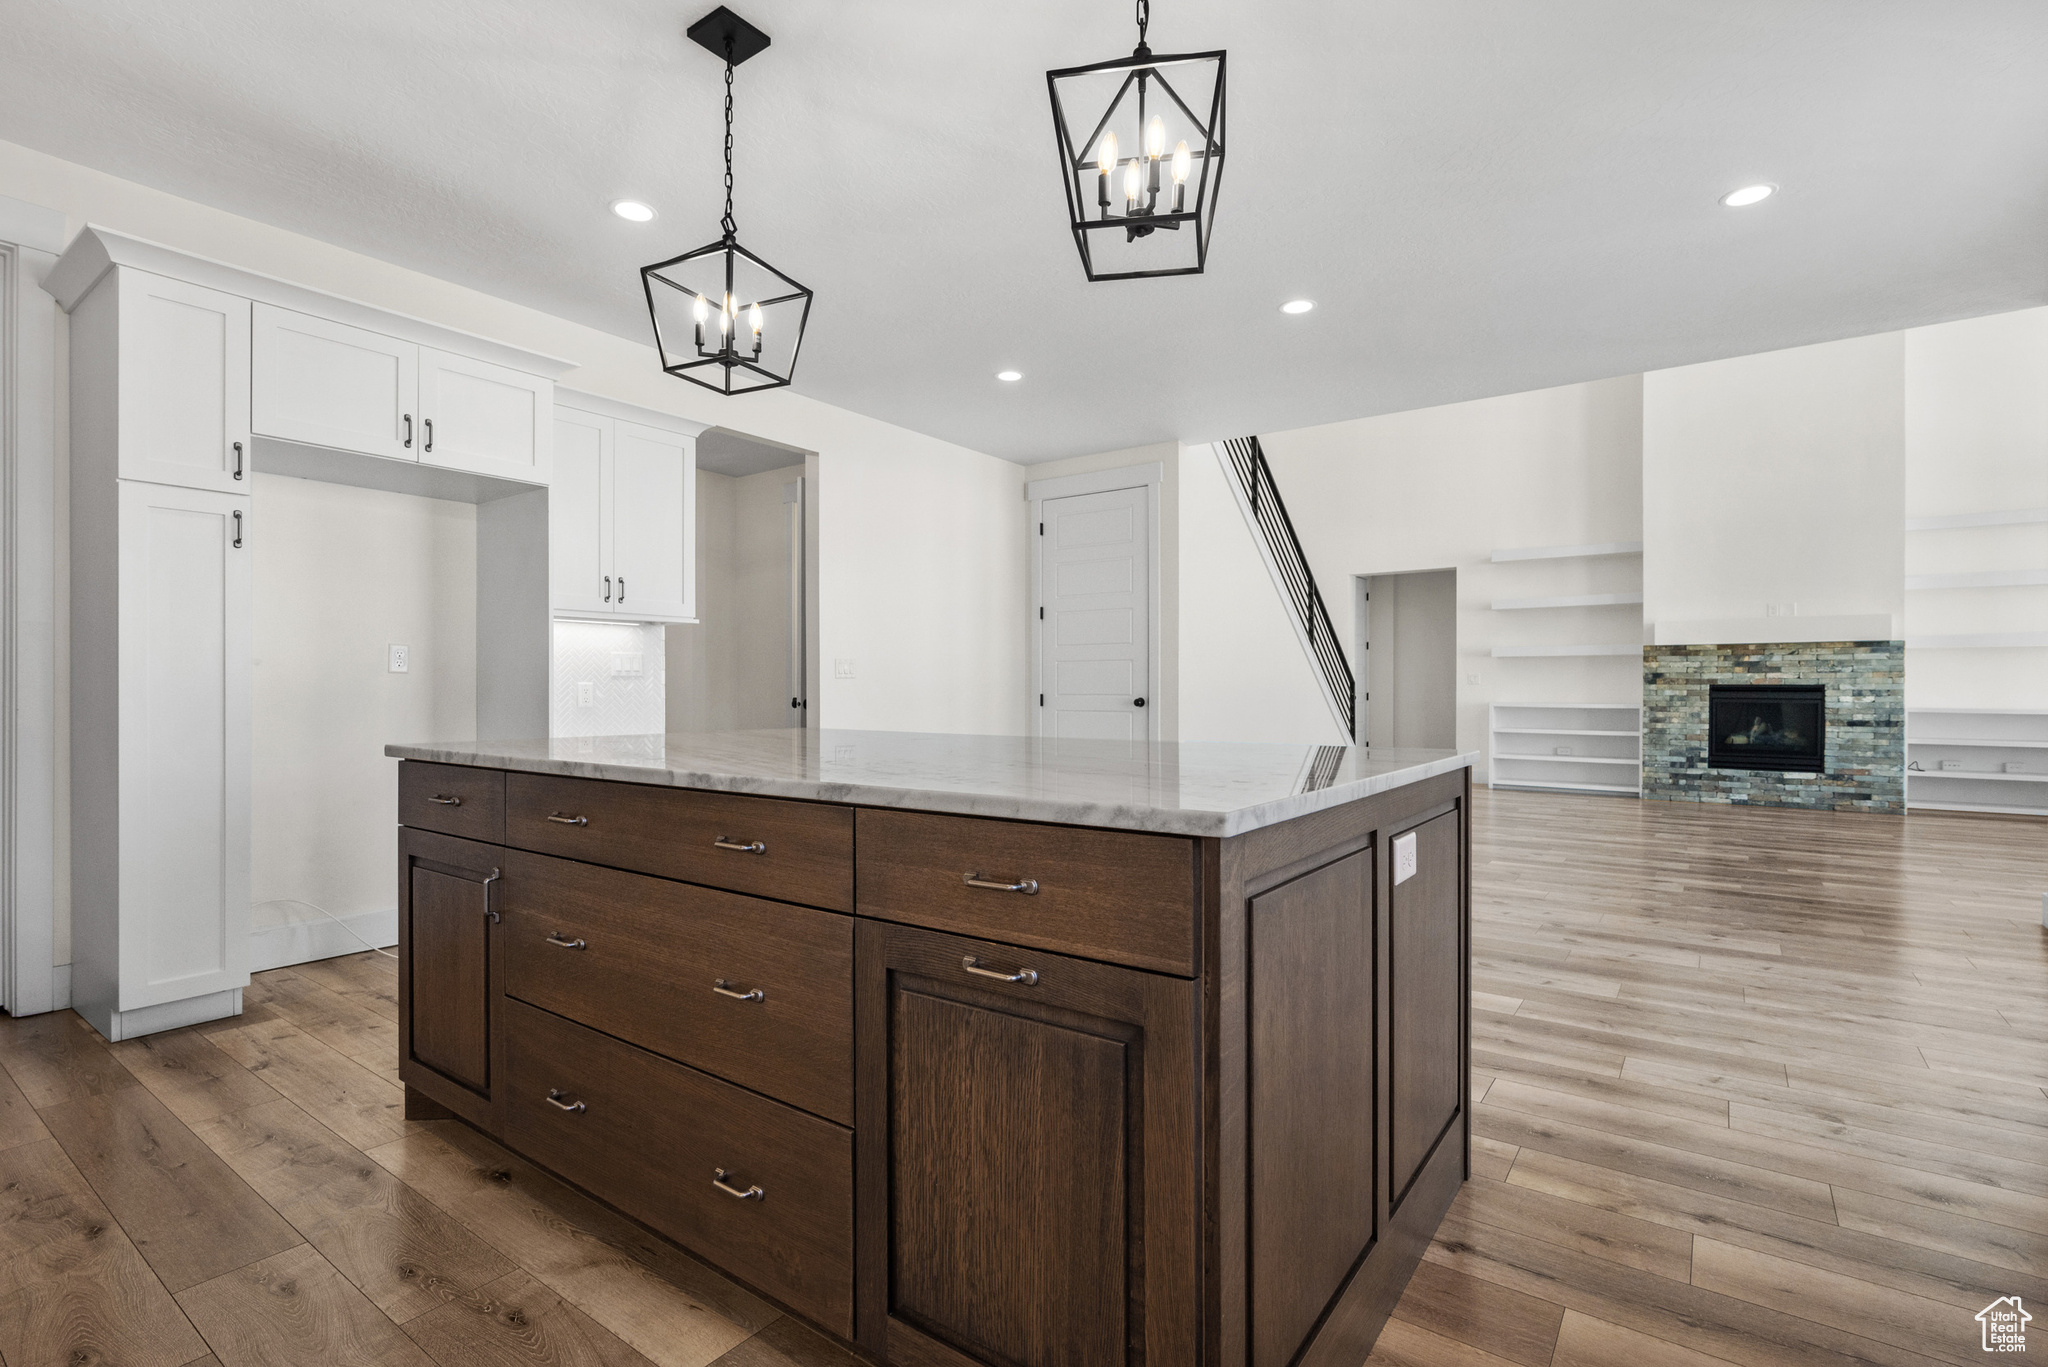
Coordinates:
(1766,726)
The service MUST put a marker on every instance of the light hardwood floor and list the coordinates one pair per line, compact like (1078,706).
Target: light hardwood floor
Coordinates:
(1754,1087)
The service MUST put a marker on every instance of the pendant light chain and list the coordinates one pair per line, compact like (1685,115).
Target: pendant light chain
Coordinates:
(1144,19)
(726,222)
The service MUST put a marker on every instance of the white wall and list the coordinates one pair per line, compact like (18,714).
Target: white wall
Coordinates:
(1443,488)
(920,536)
(1976,418)
(340,575)
(1777,478)
(700,678)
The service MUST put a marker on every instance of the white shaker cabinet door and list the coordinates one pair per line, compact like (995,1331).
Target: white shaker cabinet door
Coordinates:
(183,384)
(486,419)
(328,384)
(580,515)
(184,667)
(654,522)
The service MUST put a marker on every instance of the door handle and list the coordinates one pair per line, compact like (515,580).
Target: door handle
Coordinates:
(752,1192)
(1027,886)
(408,431)
(561,820)
(555,1095)
(428,423)
(1026,976)
(238,529)
(1138,703)
(557,938)
(238,460)
(726,989)
(726,842)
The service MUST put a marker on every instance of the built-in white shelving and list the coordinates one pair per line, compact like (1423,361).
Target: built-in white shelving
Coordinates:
(1982,640)
(1514,652)
(1569,552)
(1974,579)
(2008,518)
(1601,745)
(1574,600)
(2000,759)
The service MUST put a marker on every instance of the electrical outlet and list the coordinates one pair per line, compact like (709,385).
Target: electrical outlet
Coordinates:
(1947,764)
(2014,768)
(401,659)
(842,668)
(1781,609)
(1561,750)
(1471,678)
(586,694)
(1404,857)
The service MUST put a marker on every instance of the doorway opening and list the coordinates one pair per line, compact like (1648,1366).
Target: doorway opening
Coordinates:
(1408,647)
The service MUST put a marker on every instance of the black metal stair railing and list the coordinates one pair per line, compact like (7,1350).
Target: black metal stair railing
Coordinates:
(1248,465)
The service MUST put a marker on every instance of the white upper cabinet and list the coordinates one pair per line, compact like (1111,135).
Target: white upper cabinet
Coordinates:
(622,519)
(579,514)
(484,418)
(183,384)
(654,482)
(328,384)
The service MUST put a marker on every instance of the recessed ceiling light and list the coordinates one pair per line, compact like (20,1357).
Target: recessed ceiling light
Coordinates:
(1009,376)
(632,210)
(1748,195)
(1297,306)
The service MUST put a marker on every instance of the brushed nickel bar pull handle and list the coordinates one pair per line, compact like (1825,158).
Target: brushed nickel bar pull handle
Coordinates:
(557,938)
(555,1095)
(429,425)
(726,842)
(1026,976)
(238,529)
(561,820)
(408,431)
(1027,886)
(238,460)
(487,896)
(607,588)
(725,989)
(752,1193)
(446,801)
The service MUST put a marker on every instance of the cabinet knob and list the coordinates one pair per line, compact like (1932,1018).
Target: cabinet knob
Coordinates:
(750,1193)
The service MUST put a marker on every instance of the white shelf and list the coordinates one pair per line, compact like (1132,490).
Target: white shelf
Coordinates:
(1975,774)
(1977,807)
(1523,652)
(1979,641)
(1975,579)
(1571,787)
(1978,742)
(1953,520)
(1500,755)
(1573,600)
(1569,552)
(1555,731)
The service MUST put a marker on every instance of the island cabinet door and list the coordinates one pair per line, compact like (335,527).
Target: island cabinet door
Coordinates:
(447,970)
(1028,1189)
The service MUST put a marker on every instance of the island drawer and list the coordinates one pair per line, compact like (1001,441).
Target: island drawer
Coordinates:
(759,993)
(761,1191)
(1117,896)
(453,799)
(791,851)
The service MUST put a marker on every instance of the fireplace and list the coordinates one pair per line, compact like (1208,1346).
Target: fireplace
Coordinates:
(1766,726)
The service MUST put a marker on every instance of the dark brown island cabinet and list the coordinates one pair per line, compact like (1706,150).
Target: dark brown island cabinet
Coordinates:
(962,1088)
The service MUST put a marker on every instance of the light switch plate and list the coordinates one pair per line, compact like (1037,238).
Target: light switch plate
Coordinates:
(1404,857)
(842,668)
(628,664)
(401,659)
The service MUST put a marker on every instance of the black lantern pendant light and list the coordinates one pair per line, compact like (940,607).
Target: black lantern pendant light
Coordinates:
(722,316)
(1142,179)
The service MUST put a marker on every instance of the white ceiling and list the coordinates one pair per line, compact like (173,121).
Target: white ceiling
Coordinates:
(1482,196)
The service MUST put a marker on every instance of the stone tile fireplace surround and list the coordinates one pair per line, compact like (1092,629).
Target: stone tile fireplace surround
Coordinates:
(1864,717)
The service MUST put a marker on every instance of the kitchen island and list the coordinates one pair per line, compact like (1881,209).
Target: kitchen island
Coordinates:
(967,1049)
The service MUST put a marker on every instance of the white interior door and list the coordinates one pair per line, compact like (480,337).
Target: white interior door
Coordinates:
(329,384)
(486,419)
(185,614)
(579,514)
(1095,588)
(184,384)
(653,523)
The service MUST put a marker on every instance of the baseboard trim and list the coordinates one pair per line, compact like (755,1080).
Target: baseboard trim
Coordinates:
(151,1020)
(305,941)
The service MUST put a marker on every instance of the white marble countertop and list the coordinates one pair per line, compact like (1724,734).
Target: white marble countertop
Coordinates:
(1198,788)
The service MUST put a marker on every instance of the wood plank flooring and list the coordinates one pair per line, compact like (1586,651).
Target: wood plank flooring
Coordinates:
(1752,1087)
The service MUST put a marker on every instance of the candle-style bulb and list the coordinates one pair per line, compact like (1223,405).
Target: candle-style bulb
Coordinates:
(1155,138)
(725,317)
(1105,158)
(1134,185)
(1182,163)
(754,319)
(701,309)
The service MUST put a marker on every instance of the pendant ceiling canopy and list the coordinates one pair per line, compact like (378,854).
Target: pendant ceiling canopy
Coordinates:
(723,317)
(1141,155)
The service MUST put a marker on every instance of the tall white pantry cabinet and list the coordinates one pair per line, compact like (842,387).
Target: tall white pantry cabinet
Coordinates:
(162,527)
